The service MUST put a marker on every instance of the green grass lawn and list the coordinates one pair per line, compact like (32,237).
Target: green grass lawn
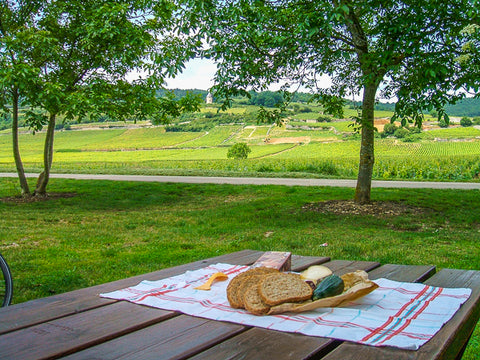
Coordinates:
(111,230)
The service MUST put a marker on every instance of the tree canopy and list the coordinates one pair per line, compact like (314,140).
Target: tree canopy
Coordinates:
(408,50)
(265,98)
(75,57)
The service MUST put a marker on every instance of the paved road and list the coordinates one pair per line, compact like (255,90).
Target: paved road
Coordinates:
(262,181)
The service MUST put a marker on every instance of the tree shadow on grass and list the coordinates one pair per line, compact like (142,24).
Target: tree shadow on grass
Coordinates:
(19,199)
(375,208)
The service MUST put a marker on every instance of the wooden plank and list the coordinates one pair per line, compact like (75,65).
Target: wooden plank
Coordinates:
(172,339)
(261,344)
(410,273)
(75,332)
(447,343)
(303,262)
(175,338)
(40,310)
(341,267)
(351,351)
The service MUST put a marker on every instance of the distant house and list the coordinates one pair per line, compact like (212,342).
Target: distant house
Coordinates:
(209,99)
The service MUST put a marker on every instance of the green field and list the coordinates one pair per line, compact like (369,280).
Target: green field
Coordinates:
(329,150)
(453,133)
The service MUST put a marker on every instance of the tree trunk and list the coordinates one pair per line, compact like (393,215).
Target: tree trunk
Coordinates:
(43,178)
(16,150)
(367,154)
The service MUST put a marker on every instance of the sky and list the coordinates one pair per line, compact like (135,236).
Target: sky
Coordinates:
(199,73)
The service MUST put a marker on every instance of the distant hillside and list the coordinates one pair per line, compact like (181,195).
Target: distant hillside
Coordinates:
(179,93)
(467,107)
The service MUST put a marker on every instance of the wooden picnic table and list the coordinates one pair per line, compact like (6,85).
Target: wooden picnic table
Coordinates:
(82,325)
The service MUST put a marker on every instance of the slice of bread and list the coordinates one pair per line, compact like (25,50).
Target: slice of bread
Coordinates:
(244,285)
(252,299)
(235,298)
(281,288)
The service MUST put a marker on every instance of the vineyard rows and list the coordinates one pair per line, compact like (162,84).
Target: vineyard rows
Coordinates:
(307,152)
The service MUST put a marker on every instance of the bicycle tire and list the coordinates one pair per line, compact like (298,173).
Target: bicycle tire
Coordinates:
(6,283)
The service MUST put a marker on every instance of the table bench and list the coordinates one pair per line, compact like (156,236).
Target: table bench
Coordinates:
(82,325)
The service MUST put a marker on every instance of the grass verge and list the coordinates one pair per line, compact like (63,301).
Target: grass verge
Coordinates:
(105,230)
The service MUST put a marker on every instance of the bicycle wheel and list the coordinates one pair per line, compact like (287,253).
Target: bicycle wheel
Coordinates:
(6,283)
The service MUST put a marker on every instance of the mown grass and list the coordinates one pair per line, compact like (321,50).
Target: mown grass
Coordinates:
(112,230)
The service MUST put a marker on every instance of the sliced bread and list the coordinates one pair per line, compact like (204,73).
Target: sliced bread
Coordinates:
(235,298)
(244,285)
(252,299)
(280,288)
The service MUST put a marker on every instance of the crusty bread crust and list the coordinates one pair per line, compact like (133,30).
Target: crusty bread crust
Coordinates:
(281,288)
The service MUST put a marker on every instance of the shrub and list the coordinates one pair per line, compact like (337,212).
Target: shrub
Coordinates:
(411,138)
(415,130)
(476,120)
(465,121)
(62,126)
(324,118)
(389,129)
(442,123)
(304,109)
(239,151)
(301,109)
(401,133)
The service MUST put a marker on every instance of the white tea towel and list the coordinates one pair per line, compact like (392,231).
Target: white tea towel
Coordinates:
(404,315)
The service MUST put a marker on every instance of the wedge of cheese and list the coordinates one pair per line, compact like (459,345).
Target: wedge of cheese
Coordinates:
(316,273)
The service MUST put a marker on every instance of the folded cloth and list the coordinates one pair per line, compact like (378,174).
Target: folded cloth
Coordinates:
(404,315)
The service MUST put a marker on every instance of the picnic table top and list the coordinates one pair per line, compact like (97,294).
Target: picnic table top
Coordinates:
(82,325)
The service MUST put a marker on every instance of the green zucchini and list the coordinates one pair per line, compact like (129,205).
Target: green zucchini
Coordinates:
(332,285)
